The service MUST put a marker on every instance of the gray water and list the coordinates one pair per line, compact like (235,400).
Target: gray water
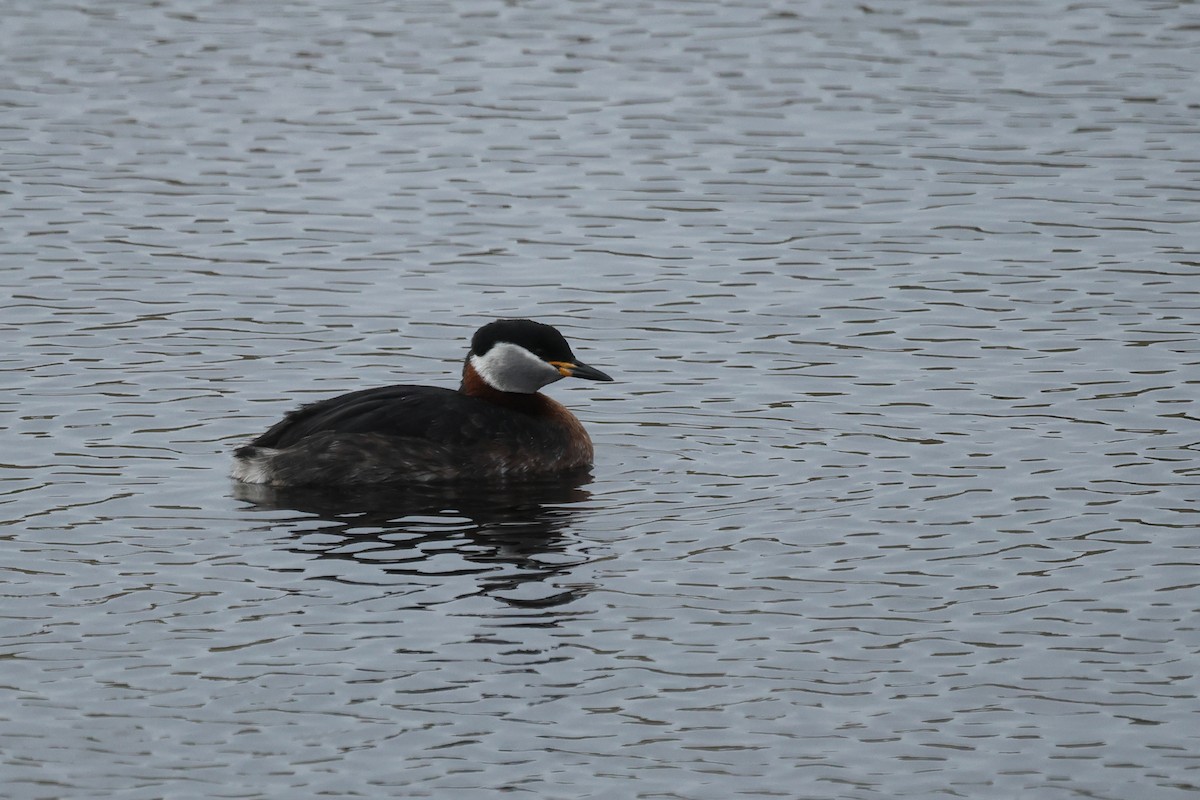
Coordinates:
(895,494)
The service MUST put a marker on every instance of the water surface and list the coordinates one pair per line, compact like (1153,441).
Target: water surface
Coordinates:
(895,493)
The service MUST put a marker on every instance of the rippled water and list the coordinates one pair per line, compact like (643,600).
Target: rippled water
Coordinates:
(895,495)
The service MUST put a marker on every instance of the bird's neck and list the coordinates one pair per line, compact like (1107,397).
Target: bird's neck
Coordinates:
(473,385)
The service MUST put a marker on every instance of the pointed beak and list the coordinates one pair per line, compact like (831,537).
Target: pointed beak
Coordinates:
(579,370)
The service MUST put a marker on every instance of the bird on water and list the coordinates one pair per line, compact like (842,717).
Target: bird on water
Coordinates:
(495,426)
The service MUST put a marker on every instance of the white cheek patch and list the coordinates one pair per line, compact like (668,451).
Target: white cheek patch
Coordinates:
(511,368)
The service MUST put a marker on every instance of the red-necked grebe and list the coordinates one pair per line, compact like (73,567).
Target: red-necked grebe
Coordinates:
(496,425)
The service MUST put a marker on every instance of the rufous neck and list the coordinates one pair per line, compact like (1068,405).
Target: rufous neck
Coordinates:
(473,385)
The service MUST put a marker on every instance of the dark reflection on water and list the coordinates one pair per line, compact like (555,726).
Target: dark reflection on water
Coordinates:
(511,536)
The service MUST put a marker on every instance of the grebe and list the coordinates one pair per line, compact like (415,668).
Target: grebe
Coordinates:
(495,426)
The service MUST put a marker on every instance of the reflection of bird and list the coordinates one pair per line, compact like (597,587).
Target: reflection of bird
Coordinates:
(496,425)
(440,541)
